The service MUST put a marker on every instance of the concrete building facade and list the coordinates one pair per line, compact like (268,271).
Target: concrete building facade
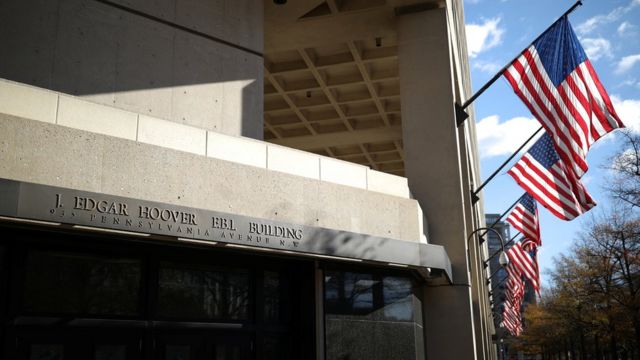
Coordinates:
(190,179)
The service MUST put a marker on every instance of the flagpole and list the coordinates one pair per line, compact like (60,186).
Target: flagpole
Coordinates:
(499,218)
(474,193)
(461,115)
(498,283)
(505,244)
(492,275)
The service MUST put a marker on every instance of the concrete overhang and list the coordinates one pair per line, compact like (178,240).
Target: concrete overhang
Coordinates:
(72,146)
(50,205)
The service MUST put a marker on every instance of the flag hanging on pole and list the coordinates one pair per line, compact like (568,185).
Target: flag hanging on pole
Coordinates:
(514,294)
(542,173)
(532,250)
(524,218)
(524,263)
(556,81)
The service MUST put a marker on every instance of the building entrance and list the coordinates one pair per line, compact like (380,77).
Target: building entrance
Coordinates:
(70,296)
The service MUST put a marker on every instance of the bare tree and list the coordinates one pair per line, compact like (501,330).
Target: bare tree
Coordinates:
(625,168)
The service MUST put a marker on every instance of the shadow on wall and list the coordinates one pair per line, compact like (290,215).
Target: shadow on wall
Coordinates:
(137,56)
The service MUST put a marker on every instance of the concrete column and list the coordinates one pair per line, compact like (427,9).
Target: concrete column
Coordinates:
(434,169)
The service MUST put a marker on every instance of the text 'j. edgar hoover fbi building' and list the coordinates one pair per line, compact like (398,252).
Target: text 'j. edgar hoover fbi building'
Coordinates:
(238,179)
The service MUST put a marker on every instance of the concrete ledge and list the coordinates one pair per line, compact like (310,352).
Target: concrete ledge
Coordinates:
(18,99)
(28,101)
(235,149)
(387,183)
(293,162)
(95,118)
(343,173)
(171,135)
(121,167)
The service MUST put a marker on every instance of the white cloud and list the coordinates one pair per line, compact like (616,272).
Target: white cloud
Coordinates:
(629,112)
(596,48)
(626,63)
(593,22)
(626,29)
(484,66)
(503,138)
(633,82)
(481,37)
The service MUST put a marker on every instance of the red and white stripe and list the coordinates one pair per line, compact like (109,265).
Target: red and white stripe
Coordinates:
(525,222)
(555,188)
(528,244)
(576,113)
(524,263)
(514,293)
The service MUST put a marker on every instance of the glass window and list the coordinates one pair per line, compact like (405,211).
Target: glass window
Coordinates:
(228,352)
(348,292)
(46,352)
(82,284)
(272,296)
(275,348)
(110,352)
(370,316)
(398,298)
(193,293)
(177,352)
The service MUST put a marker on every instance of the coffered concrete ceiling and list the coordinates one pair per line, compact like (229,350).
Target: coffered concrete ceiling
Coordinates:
(331,79)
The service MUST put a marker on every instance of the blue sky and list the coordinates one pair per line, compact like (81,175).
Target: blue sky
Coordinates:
(497,31)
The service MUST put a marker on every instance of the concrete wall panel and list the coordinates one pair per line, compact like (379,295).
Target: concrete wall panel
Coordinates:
(342,172)
(242,107)
(86,50)
(239,22)
(145,64)
(236,149)
(196,102)
(171,135)
(55,155)
(206,16)
(18,99)
(135,62)
(244,23)
(163,9)
(28,38)
(34,153)
(387,183)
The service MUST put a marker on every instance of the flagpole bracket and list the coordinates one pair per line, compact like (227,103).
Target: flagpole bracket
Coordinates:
(474,197)
(461,115)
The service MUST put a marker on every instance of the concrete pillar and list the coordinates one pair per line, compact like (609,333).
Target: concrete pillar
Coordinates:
(434,169)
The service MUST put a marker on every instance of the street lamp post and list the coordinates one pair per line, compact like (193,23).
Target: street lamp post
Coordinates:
(503,260)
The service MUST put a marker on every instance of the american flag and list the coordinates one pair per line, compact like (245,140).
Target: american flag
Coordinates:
(556,81)
(541,173)
(515,285)
(533,252)
(525,264)
(524,218)
(514,294)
